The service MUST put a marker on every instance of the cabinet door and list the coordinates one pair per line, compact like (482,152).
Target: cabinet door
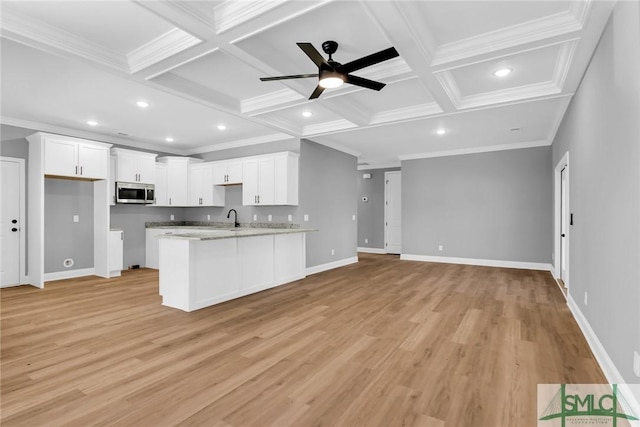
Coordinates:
(266,181)
(112,180)
(234,172)
(177,182)
(161,185)
(126,170)
(146,169)
(219,173)
(286,180)
(195,186)
(93,161)
(60,157)
(115,251)
(250,182)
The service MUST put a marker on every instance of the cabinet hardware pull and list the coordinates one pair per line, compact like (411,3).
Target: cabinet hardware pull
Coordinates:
(80,170)
(169,200)
(76,170)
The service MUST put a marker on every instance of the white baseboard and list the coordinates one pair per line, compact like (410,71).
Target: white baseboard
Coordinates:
(371,250)
(69,274)
(482,262)
(632,395)
(331,265)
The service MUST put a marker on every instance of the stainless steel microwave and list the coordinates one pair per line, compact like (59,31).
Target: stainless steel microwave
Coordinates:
(131,192)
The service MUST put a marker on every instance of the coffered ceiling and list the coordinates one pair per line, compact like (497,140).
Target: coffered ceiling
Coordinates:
(198,64)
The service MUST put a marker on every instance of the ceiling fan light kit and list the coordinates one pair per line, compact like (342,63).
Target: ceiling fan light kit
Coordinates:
(332,74)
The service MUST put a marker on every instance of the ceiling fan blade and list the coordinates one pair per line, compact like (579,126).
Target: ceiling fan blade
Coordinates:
(295,76)
(369,84)
(368,60)
(313,54)
(316,93)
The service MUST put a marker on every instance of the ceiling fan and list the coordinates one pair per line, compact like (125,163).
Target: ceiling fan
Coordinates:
(333,74)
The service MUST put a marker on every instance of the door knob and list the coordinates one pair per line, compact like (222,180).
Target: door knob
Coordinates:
(14,229)
(14,221)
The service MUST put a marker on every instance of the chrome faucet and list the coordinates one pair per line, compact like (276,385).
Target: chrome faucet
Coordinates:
(236,223)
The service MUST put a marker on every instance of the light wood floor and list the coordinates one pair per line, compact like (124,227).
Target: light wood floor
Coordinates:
(382,342)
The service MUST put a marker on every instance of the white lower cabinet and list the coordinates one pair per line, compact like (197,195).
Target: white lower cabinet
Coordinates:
(151,245)
(116,252)
(198,273)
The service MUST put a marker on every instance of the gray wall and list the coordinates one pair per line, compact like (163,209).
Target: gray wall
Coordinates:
(328,194)
(495,206)
(64,238)
(601,132)
(371,213)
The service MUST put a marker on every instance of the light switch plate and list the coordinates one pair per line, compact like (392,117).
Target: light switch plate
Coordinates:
(306,217)
(269,217)
(290,217)
(76,218)
(172,217)
(353,217)
(255,217)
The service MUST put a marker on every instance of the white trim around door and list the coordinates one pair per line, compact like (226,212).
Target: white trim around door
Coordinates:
(561,213)
(22,216)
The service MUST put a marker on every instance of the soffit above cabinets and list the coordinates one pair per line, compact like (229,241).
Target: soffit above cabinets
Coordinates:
(198,64)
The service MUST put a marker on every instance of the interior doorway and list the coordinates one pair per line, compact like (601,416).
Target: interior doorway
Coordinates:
(393,212)
(12,221)
(562,222)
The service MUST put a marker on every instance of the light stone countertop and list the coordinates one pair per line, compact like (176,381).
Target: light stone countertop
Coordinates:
(213,233)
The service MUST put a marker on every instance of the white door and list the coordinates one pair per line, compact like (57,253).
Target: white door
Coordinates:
(564,224)
(10,226)
(392,212)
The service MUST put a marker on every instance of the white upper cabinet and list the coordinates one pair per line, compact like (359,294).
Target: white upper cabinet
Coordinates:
(202,192)
(227,172)
(135,166)
(71,157)
(178,171)
(270,180)
(160,191)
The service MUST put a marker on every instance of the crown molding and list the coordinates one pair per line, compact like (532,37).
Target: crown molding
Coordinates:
(563,63)
(258,104)
(61,130)
(385,70)
(193,10)
(240,143)
(327,127)
(533,31)
(450,87)
(406,113)
(40,35)
(474,150)
(339,147)
(168,44)
(509,95)
(232,13)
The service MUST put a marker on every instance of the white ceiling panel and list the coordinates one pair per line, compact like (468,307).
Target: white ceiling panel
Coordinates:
(452,21)
(530,67)
(121,26)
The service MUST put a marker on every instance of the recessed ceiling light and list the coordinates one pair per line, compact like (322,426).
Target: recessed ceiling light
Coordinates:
(502,72)
(92,123)
(307,114)
(168,139)
(142,104)
(441,131)
(221,127)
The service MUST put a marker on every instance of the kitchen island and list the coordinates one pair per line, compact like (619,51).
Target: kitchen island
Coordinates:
(203,267)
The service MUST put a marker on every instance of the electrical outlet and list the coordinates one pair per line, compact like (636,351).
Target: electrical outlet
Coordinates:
(255,217)
(208,217)
(76,218)
(333,251)
(636,363)
(353,217)
(366,240)
(440,247)
(586,299)
(172,217)
(269,217)
(306,217)
(290,217)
